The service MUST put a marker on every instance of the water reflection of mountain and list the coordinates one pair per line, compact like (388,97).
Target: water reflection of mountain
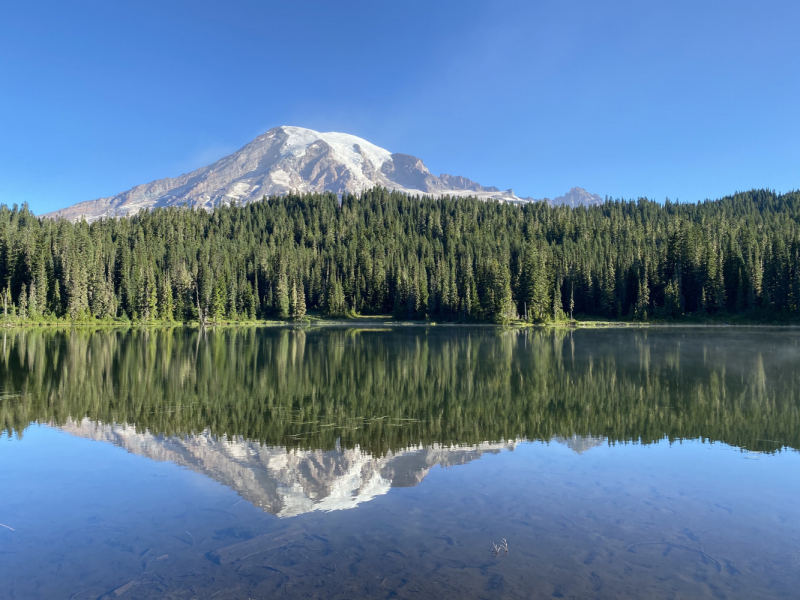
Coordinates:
(288,482)
(387,391)
(580,445)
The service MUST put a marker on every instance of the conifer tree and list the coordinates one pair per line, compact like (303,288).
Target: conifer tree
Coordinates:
(282,304)
(572,301)
(293,301)
(33,309)
(167,305)
(673,296)
(300,308)
(23,302)
(220,299)
(642,295)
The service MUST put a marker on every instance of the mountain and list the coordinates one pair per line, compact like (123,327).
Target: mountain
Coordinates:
(580,444)
(577,197)
(288,159)
(285,482)
(282,160)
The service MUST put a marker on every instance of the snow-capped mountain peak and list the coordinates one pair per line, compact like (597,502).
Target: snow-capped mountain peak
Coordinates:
(282,160)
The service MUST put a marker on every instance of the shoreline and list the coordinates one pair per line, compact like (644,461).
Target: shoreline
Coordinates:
(388,323)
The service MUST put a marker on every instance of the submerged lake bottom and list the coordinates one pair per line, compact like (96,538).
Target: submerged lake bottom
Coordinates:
(418,464)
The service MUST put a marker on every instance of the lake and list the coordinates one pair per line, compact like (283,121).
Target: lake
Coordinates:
(409,462)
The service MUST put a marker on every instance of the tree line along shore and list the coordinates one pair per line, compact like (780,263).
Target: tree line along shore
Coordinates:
(415,258)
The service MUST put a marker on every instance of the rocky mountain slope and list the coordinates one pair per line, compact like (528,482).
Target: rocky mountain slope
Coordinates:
(577,197)
(288,159)
(282,160)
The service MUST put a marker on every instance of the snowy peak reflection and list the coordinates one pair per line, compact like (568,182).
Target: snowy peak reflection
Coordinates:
(580,444)
(289,482)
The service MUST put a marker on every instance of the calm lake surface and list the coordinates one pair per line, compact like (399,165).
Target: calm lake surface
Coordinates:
(349,463)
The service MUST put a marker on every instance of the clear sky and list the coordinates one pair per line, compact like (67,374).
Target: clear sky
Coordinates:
(686,100)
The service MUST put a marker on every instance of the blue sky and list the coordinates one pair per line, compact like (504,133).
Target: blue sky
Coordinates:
(686,100)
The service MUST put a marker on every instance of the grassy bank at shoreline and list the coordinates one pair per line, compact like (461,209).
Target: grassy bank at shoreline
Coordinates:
(359,321)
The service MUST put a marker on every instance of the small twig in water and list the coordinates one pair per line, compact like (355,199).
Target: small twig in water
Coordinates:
(500,549)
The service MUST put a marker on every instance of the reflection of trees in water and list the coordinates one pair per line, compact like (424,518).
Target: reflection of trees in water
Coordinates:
(382,391)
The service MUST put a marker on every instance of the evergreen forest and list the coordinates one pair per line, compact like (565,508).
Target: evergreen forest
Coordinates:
(383,252)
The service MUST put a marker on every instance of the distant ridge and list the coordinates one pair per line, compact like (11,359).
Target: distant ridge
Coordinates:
(577,196)
(286,159)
